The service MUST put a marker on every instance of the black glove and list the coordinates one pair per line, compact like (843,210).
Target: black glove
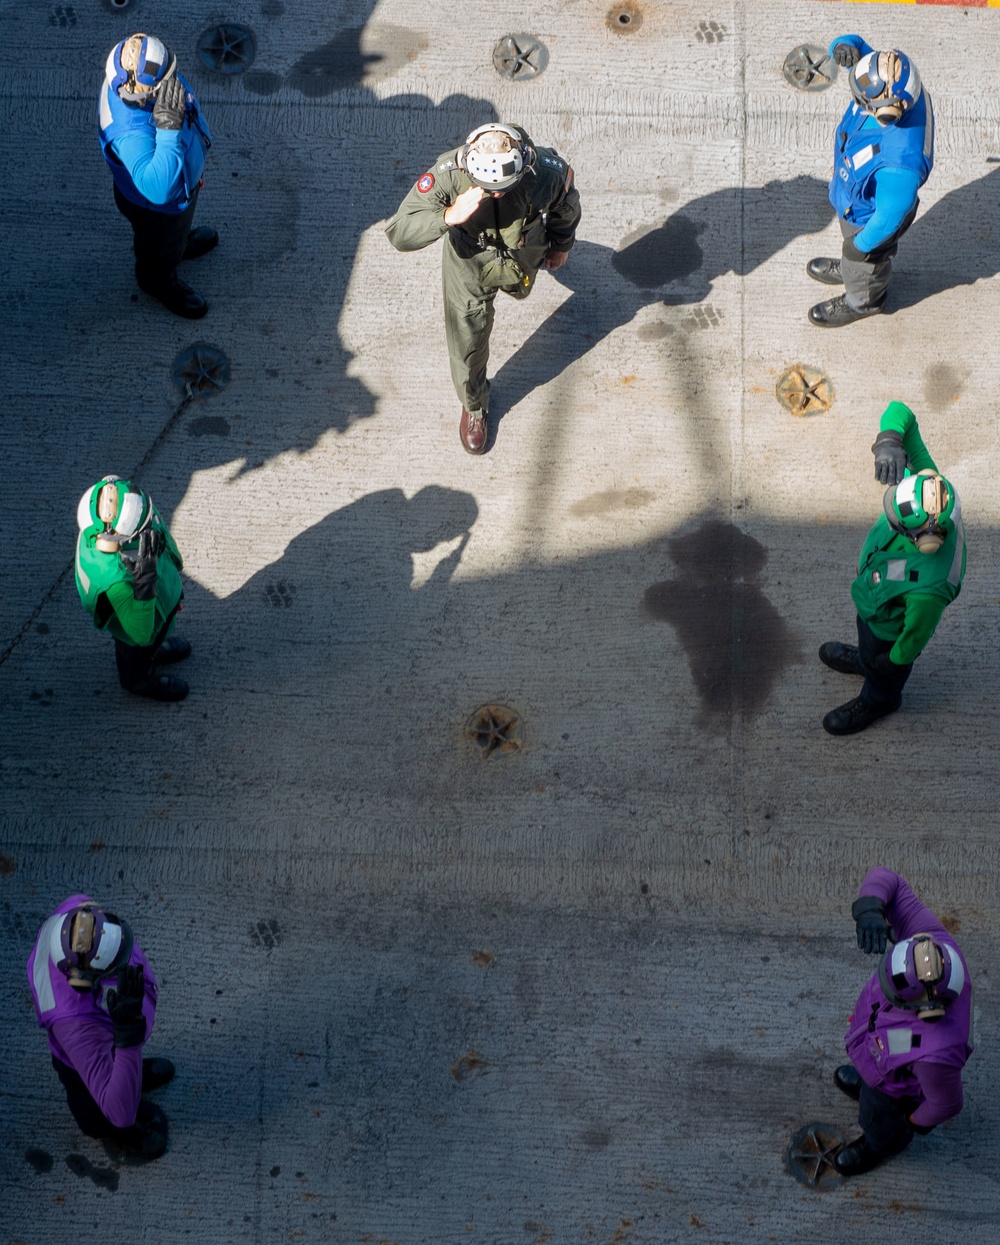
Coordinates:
(125,1007)
(846,55)
(891,460)
(873,928)
(142,563)
(883,664)
(171,104)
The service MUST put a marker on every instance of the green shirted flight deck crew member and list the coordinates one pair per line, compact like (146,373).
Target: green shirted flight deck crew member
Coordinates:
(911,567)
(128,577)
(507,208)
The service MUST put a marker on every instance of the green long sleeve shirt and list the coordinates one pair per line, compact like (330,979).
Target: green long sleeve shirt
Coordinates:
(927,583)
(107,591)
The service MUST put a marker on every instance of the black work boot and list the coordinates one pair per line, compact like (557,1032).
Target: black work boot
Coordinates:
(201,240)
(171,650)
(835,313)
(857,1158)
(825,270)
(855,716)
(178,297)
(156,1073)
(145,1141)
(161,687)
(844,658)
(846,1079)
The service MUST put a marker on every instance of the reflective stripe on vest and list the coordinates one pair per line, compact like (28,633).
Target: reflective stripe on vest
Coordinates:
(899,1040)
(40,969)
(955,573)
(860,150)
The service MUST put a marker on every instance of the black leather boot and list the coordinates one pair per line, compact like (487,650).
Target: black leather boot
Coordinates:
(144,1142)
(846,1079)
(161,687)
(855,716)
(825,270)
(156,1073)
(835,313)
(844,658)
(201,240)
(179,298)
(857,1158)
(171,650)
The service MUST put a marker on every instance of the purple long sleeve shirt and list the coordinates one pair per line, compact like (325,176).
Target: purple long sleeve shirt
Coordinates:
(933,1072)
(79,1029)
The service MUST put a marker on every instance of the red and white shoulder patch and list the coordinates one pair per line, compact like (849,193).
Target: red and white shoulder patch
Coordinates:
(425,183)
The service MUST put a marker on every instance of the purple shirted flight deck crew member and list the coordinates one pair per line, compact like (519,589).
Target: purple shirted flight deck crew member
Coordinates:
(911,1029)
(96,1035)
(883,153)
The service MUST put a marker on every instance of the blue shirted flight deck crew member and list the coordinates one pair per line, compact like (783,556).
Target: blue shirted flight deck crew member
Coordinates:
(883,154)
(154,139)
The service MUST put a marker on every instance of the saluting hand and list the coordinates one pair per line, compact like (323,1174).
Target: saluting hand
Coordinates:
(465,205)
(171,104)
(142,564)
(125,1007)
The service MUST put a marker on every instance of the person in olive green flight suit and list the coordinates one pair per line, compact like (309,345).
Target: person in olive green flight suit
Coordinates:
(508,208)
(910,569)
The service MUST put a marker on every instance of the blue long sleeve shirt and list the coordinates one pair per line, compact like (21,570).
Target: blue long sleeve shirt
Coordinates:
(895,187)
(154,168)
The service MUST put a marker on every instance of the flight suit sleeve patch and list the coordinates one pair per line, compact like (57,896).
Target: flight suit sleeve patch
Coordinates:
(569,177)
(425,183)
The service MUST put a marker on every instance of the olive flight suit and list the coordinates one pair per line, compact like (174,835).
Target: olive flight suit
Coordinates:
(501,247)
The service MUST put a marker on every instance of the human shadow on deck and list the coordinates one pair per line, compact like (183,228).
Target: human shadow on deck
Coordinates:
(673,263)
(955,242)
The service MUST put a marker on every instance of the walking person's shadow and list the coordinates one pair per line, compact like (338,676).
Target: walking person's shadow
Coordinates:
(673,264)
(955,242)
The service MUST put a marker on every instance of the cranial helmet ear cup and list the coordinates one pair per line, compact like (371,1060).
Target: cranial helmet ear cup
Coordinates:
(888,113)
(929,542)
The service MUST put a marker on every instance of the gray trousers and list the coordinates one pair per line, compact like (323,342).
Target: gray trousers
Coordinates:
(866,277)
